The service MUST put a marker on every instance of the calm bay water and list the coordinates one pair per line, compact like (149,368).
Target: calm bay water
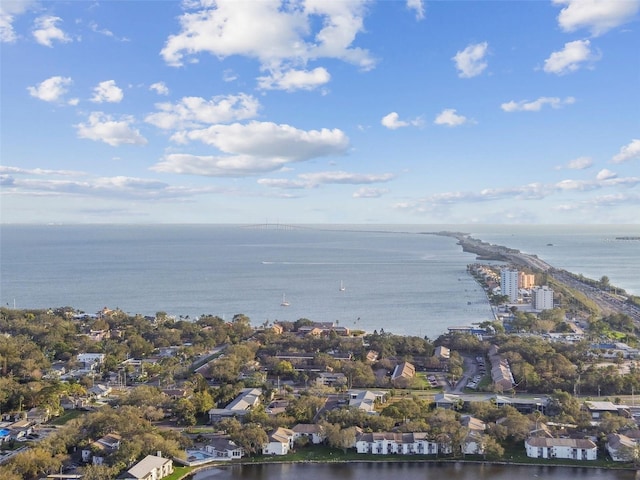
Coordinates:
(395,278)
(409,471)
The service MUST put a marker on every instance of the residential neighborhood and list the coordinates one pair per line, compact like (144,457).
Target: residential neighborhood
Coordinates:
(110,395)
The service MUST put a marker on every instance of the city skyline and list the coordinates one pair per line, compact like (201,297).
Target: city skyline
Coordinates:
(412,112)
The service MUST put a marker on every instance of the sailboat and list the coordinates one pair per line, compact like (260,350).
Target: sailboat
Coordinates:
(342,289)
(284,301)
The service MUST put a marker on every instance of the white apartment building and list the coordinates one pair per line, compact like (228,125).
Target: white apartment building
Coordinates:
(509,284)
(542,298)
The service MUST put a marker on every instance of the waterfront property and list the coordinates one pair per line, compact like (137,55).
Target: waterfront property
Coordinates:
(314,432)
(280,442)
(385,443)
(621,447)
(195,458)
(223,448)
(151,467)
(569,448)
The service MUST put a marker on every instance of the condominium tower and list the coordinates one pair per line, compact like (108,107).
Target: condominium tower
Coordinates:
(509,284)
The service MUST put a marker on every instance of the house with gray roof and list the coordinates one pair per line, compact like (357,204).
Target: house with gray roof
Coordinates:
(151,467)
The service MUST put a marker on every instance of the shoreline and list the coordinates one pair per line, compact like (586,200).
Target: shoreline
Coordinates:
(202,468)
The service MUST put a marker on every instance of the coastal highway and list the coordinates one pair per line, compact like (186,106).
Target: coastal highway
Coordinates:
(609,303)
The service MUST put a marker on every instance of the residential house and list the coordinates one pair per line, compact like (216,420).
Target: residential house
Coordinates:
(38,415)
(99,391)
(280,442)
(90,361)
(331,379)
(248,398)
(473,443)
(597,409)
(385,443)
(524,404)
(500,370)
(151,467)
(372,356)
(20,429)
(312,431)
(71,403)
(442,353)
(621,448)
(175,393)
(224,448)
(403,374)
(570,448)
(99,450)
(365,399)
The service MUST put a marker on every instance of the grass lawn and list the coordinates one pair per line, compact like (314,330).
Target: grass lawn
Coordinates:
(66,416)
(179,472)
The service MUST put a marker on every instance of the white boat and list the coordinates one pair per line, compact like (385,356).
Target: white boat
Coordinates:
(284,301)
(342,288)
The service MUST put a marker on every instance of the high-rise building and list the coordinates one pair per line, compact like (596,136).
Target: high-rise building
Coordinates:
(526,280)
(509,284)
(542,298)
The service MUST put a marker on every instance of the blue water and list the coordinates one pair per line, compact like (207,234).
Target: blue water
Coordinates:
(395,278)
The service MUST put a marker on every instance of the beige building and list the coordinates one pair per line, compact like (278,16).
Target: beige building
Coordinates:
(526,280)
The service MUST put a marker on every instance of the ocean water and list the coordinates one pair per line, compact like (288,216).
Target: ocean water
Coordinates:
(395,278)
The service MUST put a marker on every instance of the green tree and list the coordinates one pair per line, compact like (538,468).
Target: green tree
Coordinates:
(251,437)
(185,410)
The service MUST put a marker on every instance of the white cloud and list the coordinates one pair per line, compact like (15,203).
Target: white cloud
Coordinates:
(392,121)
(106,32)
(313,180)
(605,174)
(291,80)
(52,89)
(256,147)
(37,171)
(229,75)
(580,163)
(536,105)
(367,192)
(418,6)
(160,88)
(217,166)
(107,91)
(471,62)
(267,139)
(599,16)
(196,111)
(9,9)
(570,58)
(102,127)
(45,31)
(283,183)
(531,191)
(340,177)
(628,152)
(450,118)
(280,35)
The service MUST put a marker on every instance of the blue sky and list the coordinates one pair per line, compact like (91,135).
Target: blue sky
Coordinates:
(392,112)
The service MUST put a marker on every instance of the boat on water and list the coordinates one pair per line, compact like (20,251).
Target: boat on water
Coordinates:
(342,287)
(284,301)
